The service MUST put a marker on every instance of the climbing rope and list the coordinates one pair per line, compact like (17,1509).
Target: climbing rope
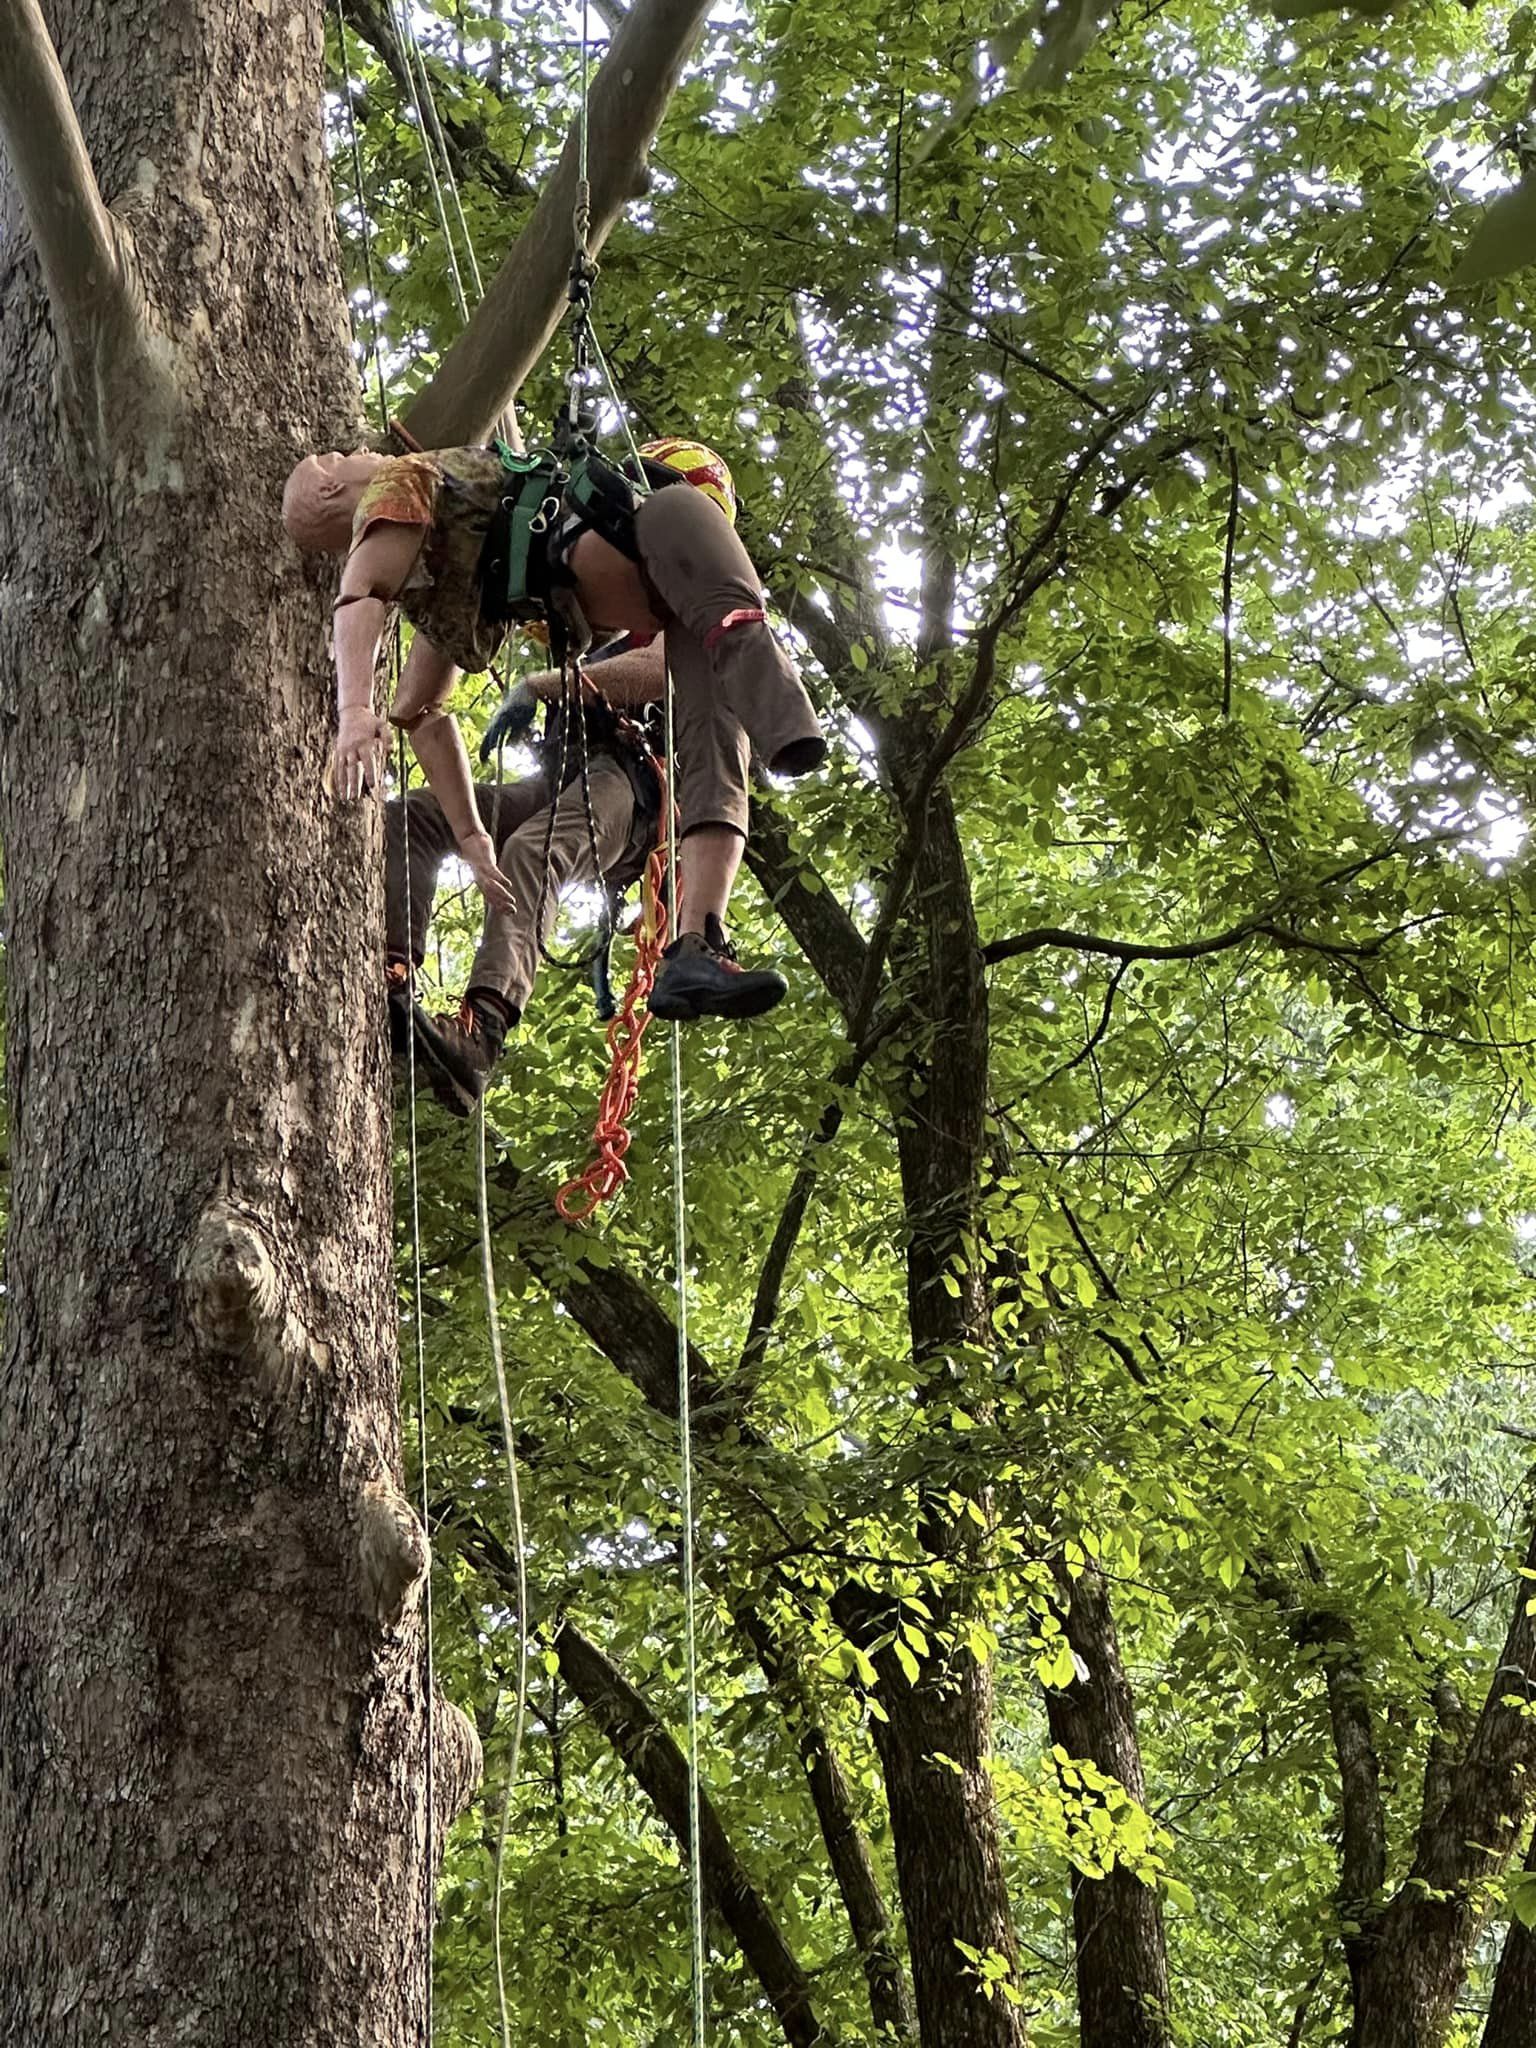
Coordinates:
(520,1567)
(406,35)
(586,336)
(429,1688)
(364,229)
(685,1461)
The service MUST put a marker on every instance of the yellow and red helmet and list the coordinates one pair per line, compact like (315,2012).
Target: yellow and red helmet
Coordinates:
(699,466)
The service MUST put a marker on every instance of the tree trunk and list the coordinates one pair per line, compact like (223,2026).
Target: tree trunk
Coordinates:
(933,1752)
(848,1852)
(1122,1967)
(1414,1956)
(1511,2021)
(943,1813)
(211,1710)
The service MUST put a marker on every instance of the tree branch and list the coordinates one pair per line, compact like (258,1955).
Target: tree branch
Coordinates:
(1228,558)
(510,329)
(890,1995)
(765,1305)
(464,141)
(657,1765)
(824,931)
(78,242)
(1184,949)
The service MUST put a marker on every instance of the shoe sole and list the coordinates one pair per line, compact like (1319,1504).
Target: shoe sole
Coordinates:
(686,1008)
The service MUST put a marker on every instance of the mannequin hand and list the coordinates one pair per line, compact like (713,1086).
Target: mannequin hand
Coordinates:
(360,752)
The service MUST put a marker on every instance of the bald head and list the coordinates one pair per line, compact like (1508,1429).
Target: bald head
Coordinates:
(321,496)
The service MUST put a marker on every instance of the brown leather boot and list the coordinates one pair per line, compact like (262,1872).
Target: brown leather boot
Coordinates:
(458,1050)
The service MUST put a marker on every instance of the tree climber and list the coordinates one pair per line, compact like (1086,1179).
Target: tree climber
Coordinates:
(433,532)
(538,856)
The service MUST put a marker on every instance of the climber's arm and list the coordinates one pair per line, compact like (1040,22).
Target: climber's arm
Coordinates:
(637,676)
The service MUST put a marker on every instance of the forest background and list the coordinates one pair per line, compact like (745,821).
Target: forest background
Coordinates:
(1112,1268)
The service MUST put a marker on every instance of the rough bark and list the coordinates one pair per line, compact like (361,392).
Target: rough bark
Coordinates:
(1122,1967)
(1511,2021)
(211,1708)
(1415,1955)
(936,1741)
(659,1767)
(79,246)
(944,1827)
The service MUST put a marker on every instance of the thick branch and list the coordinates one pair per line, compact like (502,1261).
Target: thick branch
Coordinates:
(76,238)
(1263,927)
(824,931)
(508,332)
(765,1304)
(657,1765)
(1121,1960)
(1363,1838)
(1489,1790)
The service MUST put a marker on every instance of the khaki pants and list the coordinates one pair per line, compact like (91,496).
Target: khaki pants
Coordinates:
(517,818)
(740,695)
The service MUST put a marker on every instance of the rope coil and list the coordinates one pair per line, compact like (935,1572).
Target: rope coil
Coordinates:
(598,1182)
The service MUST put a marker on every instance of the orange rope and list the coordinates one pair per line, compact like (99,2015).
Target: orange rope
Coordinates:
(580,1199)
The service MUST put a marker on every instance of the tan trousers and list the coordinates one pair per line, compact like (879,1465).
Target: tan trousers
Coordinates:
(736,692)
(517,818)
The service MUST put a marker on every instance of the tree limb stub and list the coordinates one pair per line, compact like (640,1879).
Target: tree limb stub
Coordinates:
(393,1559)
(510,329)
(78,243)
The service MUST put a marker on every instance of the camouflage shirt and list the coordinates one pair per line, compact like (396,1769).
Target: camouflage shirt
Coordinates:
(452,494)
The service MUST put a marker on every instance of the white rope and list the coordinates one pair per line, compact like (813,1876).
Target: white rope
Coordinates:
(407,35)
(519,1544)
(449,177)
(429,1882)
(684,1392)
(365,228)
(685,1447)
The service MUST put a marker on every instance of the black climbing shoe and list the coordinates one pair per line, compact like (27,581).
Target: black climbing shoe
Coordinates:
(699,977)
(397,986)
(456,1051)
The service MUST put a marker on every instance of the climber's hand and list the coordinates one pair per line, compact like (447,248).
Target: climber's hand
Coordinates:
(479,856)
(512,719)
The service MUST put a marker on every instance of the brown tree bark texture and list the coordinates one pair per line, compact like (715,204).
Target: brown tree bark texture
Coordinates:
(211,1721)
(1410,1968)
(1122,1968)
(944,1828)
(1511,2021)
